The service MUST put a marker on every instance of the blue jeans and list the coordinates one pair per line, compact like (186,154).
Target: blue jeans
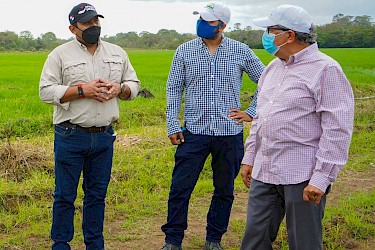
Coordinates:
(79,151)
(190,156)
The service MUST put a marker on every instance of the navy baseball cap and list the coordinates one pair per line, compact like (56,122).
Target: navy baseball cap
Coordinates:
(82,13)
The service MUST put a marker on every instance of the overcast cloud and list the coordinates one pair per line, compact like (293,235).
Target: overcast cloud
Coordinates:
(41,16)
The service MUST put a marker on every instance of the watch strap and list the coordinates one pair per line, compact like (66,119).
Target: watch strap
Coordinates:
(80,91)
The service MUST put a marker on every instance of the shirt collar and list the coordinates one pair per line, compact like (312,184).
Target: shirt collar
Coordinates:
(83,47)
(303,54)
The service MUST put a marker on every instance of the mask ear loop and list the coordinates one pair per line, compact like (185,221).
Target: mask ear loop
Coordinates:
(283,43)
(78,29)
(218,26)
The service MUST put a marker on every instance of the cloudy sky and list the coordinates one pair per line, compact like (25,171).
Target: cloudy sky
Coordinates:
(41,16)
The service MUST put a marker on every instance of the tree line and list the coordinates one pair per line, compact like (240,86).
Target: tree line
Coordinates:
(342,32)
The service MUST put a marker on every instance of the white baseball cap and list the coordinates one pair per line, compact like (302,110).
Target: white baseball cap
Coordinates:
(289,16)
(215,11)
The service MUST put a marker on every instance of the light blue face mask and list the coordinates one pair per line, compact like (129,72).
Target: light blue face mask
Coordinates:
(268,42)
(205,30)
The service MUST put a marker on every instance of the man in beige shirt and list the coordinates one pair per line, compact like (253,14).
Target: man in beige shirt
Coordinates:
(84,79)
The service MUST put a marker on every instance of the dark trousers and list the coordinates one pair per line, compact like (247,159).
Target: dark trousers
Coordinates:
(190,156)
(267,206)
(79,151)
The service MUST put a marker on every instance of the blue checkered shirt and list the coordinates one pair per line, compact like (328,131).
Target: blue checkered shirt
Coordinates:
(212,85)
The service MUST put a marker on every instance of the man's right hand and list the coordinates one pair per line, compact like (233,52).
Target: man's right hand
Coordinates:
(246,174)
(96,90)
(177,138)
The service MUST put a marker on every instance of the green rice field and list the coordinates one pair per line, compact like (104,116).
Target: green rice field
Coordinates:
(143,162)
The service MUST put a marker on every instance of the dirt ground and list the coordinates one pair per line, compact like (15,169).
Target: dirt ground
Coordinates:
(348,182)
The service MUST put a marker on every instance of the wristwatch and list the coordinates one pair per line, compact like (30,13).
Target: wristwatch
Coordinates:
(123,87)
(80,91)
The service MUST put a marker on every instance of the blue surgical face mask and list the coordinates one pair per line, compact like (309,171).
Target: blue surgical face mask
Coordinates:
(268,42)
(205,30)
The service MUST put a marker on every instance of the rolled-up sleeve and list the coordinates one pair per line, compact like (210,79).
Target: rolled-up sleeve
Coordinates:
(130,78)
(51,89)
(335,104)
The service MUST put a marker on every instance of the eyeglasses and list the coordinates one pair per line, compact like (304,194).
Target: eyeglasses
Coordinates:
(276,28)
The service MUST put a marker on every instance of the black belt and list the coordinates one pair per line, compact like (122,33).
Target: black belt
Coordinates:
(68,124)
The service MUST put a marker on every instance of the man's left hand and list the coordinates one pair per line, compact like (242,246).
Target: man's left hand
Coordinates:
(240,116)
(311,193)
(113,89)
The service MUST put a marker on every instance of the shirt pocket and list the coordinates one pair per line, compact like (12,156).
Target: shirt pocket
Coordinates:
(74,72)
(112,68)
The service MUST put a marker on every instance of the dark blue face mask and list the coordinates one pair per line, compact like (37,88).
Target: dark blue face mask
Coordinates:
(205,30)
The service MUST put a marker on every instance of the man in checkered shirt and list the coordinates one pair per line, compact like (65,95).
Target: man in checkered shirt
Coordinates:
(300,136)
(209,70)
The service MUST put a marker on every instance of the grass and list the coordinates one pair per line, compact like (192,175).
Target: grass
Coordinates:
(352,220)
(138,192)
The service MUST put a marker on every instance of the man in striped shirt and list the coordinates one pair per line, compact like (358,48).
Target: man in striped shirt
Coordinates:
(299,139)
(209,70)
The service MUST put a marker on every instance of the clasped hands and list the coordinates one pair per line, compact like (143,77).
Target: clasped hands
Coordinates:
(101,90)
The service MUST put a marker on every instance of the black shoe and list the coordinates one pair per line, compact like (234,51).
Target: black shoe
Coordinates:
(171,247)
(212,246)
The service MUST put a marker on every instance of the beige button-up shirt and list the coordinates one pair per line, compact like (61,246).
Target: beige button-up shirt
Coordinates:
(71,64)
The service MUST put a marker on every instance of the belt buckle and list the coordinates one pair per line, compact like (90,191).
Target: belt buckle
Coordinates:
(96,129)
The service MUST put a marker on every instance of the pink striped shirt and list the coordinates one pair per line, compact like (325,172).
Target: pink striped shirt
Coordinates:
(304,121)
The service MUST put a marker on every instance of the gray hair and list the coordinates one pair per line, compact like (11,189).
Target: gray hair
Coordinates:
(309,38)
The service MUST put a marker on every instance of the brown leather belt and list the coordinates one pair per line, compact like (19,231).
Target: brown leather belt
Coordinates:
(68,124)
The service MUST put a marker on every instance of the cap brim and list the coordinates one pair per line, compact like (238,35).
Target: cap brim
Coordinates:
(89,17)
(205,15)
(263,22)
